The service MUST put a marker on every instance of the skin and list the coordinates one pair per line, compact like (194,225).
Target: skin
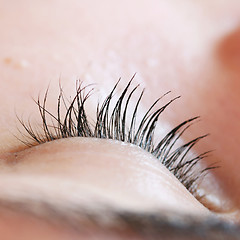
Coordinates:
(189,48)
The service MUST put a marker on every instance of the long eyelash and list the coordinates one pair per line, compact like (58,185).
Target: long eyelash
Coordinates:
(113,124)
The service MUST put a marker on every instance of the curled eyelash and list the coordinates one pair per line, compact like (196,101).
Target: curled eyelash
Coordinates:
(112,123)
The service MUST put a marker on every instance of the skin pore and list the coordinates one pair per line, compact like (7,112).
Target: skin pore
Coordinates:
(188,48)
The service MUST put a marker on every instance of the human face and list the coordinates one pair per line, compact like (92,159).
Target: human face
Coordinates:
(189,48)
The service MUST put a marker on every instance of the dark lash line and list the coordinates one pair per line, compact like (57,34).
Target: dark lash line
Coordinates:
(113,125)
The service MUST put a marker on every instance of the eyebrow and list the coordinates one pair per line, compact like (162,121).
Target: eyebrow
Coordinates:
(147,224)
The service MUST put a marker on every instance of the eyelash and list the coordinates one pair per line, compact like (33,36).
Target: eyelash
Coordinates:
(113,124)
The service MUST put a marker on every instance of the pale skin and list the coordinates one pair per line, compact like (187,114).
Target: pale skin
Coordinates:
(188,48)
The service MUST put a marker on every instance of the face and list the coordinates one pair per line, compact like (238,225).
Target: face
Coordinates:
(189,48)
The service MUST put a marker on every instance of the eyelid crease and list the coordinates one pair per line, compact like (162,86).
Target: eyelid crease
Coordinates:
(114,124)
(147,224)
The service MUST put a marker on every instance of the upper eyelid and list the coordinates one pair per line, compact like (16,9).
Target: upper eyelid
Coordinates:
(113,124)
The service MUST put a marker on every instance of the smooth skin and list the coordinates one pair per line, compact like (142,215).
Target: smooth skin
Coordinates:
(190,48)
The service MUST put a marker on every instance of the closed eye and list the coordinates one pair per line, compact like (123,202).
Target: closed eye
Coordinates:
(119,121)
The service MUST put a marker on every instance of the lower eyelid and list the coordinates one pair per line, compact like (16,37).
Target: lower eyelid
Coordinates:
(124,172)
